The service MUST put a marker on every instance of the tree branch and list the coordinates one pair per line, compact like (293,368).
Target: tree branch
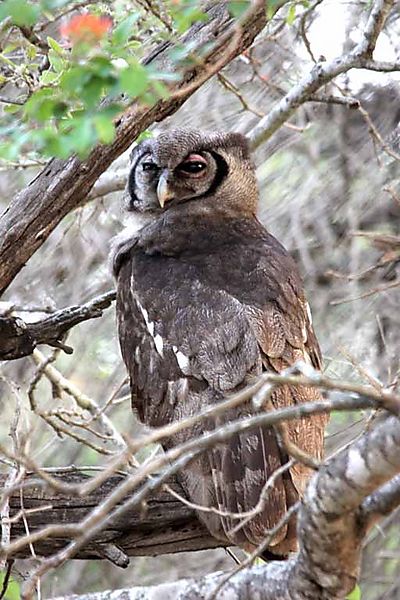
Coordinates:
(323,72)
(18,338)
(163,525)
(329,528)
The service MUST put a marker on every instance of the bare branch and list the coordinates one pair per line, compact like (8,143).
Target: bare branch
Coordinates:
(18,338)
(329,529)
(321,74)
(376,22)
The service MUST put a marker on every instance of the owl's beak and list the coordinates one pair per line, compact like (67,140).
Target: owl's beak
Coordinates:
(164,194)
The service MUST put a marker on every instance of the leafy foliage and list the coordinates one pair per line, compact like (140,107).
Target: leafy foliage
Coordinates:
(65,89)
(355,594)
(13,588)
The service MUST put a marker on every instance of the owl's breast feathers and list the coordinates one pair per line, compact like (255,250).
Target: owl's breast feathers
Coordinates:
(204,305)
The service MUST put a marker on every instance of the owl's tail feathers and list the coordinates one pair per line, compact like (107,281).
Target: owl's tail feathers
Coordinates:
(241,468)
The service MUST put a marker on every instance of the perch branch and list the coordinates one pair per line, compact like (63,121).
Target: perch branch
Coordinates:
(329,528)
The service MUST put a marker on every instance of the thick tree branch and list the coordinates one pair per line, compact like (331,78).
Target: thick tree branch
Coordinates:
(164,524)
(330,533)
(18,338)
(64,184)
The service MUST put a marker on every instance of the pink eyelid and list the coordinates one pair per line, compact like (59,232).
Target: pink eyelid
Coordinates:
(195,158)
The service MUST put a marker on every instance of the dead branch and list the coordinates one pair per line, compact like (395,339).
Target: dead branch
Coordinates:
(163,525)
(18,338)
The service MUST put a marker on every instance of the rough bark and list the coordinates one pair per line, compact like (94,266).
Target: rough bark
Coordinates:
(164,525)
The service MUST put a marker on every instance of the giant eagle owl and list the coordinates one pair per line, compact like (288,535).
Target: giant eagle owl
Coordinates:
(207,300)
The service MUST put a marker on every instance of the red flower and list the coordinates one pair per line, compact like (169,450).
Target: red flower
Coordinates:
(86,28)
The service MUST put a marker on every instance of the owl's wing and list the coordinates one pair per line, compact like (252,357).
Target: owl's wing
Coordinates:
(188,344)
(287,337)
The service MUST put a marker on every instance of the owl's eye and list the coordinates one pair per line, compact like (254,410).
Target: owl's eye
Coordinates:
(194,164)
(149,165)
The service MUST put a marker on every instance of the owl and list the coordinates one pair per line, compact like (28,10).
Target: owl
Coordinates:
(207,300)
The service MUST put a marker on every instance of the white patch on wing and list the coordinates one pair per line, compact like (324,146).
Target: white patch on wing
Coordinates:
(158,341)
(183,360)
(149,324)
(357,470)
(309,315)
(159,344)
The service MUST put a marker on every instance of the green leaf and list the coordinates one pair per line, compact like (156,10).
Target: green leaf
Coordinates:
(124,29)
(13,591)
(105,128)
(56,146)
(291,14)
(56,61)
(83,135)
(101,66)
(22,13)
(31,52)
(74,79)
(355,594)
(134,80)
(40,105)
(48,77)
(55,46)
(91,92)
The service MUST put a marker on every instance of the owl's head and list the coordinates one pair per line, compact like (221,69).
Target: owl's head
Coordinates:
(185,165)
